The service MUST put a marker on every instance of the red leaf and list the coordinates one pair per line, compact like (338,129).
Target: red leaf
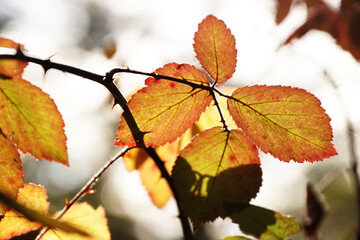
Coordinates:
(287,122)
(215,49)
(165,109)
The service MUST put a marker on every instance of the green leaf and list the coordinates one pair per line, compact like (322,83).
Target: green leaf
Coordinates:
(218,166)
(263,223)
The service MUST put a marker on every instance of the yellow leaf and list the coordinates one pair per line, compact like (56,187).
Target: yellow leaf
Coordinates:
(14,223)
(84,217)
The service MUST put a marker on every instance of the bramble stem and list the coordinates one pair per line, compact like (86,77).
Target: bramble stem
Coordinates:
(107,81)
(86,188)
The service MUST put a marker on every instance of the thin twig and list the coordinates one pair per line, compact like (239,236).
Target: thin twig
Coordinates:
(86,188)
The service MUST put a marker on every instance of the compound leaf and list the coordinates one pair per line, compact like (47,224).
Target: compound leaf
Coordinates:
(218,166)
(263,223)
(14,223)
(11,174)
(30,117)
(84,217)
(215,49)
(164,109)
(287,122)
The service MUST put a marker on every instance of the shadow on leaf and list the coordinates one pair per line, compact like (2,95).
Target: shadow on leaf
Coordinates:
(205,197)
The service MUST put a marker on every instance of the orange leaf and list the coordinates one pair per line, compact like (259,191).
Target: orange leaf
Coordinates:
(11,174)
(14,223)
(287,122)
(11,68)
(164,109)
(215,49)
(217,167)
(86,218)
(156,186)
(30,117)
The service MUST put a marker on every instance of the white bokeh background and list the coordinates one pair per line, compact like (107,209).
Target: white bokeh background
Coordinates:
(149,34)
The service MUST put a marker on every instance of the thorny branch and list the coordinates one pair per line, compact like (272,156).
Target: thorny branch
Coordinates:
(86,188)
(107,81)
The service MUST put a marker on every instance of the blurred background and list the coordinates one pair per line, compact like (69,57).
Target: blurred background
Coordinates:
(148,34)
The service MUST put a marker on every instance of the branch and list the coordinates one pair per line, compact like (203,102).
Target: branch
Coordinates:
(107,81)
(86,188)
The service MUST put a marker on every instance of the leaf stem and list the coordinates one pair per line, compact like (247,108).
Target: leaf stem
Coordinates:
(85,189)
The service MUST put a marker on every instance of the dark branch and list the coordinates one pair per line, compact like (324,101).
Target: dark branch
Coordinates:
(107,81)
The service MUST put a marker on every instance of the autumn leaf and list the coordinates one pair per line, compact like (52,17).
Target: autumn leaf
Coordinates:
(217,166)
(287,122)
(263,223)
(215,49)
(14,223)
(164,109)
(341,24)
(137,159)
(31,119)
(282,10)
(11,174)
(11,68)
(86,218)
(156,186)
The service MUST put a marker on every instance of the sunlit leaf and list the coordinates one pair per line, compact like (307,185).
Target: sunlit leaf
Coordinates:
(11,174)
(263,223)
(287,122)
(11,68)
(164,109)
(31,119)
(215,49)
(218,166)
(156,186)
(14,223)
(86,218)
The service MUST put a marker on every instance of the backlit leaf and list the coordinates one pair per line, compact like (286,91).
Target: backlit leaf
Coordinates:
(11,68)
(164,109)
(86,218)
(218,166)
(11,174)
(14,223)
(263,223)
(215,49)
(156,186)
(287,122)
(31,119)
